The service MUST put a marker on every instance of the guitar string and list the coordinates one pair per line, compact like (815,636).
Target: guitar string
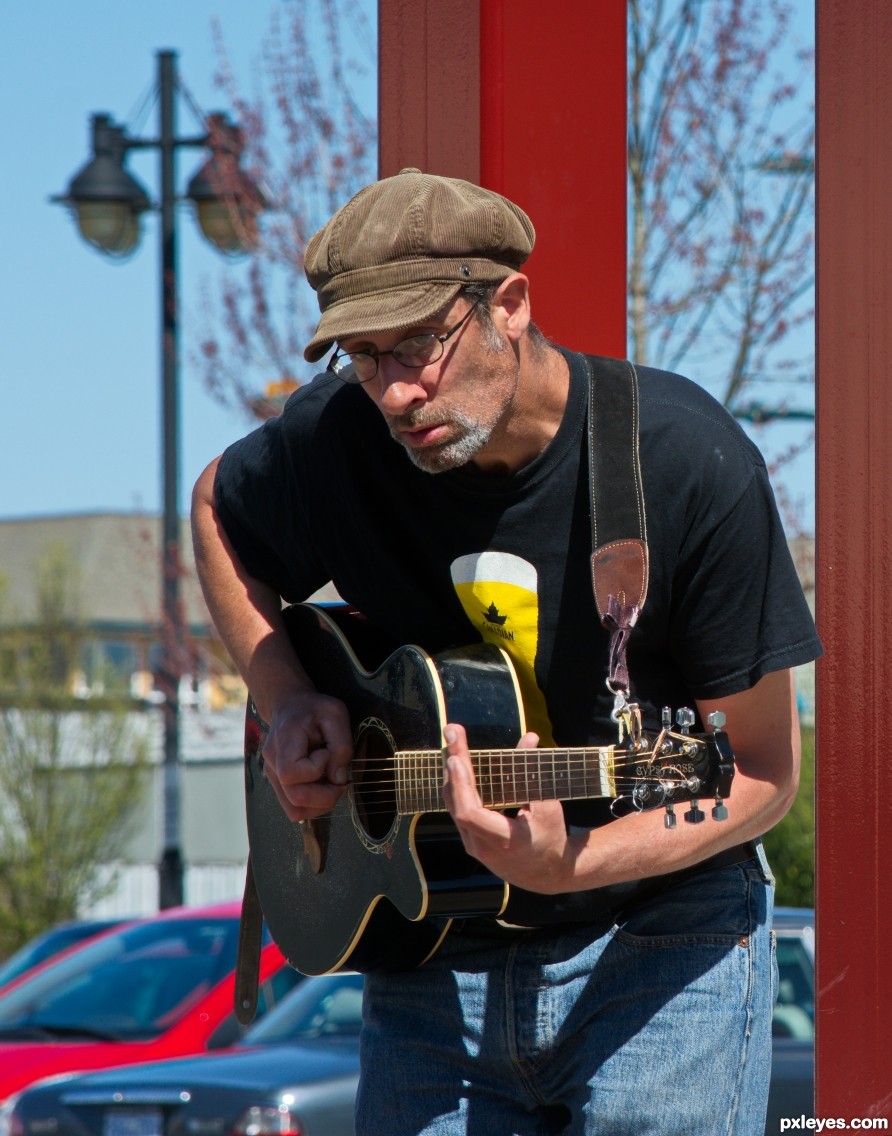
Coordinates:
(501,777)
(399,792)
(431,762)
(434,802)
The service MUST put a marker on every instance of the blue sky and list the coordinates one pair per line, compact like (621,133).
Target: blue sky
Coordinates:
(79,355)
(79,365)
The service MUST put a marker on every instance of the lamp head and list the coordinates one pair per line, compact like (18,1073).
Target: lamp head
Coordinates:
(227,200)
(106,200)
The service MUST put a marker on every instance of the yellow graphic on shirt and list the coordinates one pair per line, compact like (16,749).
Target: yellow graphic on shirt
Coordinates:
(499,592)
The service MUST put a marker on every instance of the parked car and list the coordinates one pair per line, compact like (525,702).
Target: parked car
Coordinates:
(295,1072)
(51,943)
(793,1042)
(153,988)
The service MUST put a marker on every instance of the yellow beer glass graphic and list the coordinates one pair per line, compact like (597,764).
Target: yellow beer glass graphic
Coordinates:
(499,592)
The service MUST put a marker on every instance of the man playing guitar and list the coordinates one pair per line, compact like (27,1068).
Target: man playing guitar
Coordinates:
(437,474)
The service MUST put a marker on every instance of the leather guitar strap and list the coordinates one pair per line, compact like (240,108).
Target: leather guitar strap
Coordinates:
(250,944)
(619,528)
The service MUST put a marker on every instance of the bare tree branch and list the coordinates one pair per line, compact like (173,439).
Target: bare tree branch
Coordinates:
(311,143)
(720,256)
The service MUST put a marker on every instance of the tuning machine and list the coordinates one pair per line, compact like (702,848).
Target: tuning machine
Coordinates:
(716,720)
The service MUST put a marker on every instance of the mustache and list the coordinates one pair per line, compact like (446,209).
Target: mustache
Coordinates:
(414,420)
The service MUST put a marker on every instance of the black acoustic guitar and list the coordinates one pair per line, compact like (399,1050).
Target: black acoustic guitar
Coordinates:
(376,882)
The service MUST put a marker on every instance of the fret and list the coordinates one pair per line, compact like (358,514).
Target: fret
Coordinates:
(606,772)
(503,777)
(405,797)
(529,783)
(577,785)
(430,783)
(546,779)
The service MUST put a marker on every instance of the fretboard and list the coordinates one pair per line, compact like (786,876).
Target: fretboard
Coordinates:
(508,778)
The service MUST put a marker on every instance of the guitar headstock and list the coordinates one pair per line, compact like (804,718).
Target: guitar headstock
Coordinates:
(680,767)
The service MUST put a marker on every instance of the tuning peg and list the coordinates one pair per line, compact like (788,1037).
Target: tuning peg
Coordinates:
(717,719)
(695,814)
(685,719)
(719,810)
(670,820)
(666,718)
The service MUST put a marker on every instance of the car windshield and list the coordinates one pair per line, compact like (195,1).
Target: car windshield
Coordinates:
(133,984)
(330,1006)
(50,943)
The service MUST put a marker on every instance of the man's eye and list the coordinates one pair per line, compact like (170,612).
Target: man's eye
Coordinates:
(418,343)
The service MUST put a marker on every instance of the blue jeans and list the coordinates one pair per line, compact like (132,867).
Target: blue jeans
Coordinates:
(656,1025)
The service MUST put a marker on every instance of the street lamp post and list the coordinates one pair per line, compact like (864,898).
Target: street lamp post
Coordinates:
(107,203)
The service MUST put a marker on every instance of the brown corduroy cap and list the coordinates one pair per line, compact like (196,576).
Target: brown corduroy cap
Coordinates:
(402,248)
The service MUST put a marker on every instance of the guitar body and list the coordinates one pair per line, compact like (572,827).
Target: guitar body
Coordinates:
(365,887)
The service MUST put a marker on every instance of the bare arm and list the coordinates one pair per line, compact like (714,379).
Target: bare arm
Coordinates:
(534,851)
(308,749)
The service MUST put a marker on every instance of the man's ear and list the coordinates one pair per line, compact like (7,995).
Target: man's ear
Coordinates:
(511,311)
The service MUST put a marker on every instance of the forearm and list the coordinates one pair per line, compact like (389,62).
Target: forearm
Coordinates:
(246,612)
(534,851)
(307,750)
(763,728)
(639,846)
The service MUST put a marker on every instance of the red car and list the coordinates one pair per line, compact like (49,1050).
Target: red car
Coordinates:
(153,988)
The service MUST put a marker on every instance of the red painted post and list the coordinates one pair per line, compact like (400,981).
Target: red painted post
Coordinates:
(553,138)
(528,99)
(854,557)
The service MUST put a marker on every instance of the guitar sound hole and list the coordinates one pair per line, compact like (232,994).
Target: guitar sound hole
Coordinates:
(374,791)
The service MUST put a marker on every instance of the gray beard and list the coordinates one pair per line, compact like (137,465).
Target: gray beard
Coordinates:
(451,455)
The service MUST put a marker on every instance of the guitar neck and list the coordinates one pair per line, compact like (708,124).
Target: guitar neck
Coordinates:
(509,778)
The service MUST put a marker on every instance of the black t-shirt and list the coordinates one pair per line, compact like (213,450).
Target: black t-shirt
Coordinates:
(323,493)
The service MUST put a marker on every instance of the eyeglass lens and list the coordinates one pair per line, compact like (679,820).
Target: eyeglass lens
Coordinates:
(416,351)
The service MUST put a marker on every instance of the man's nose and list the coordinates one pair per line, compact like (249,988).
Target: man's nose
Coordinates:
(398,386)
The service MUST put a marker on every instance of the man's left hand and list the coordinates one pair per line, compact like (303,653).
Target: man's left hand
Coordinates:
(530,850)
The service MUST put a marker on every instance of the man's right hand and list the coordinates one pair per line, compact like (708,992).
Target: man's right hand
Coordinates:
(307,754)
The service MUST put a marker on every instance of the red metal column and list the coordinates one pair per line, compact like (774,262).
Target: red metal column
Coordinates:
(854,175)
(528,99)
(553,138)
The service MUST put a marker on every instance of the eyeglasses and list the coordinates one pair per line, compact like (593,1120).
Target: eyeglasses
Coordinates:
(416,351)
